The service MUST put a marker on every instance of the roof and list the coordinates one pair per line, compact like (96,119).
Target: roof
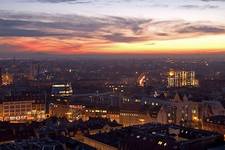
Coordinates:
(220,120)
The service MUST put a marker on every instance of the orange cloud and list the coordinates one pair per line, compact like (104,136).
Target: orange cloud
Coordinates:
(203,44)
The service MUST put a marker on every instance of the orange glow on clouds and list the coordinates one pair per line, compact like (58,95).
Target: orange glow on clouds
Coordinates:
(202,44)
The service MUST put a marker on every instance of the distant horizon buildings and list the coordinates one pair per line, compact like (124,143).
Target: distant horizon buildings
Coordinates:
(181,78)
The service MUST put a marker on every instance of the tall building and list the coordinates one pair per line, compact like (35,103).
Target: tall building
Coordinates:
(34,72)
(181,79)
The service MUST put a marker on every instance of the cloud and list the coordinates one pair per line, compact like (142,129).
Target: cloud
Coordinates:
(199,6)
(111,28)
(10,51)
(77,33)
(68,26)
(62,1)
(202,29)
(120,37)
(15,28)
(213,0)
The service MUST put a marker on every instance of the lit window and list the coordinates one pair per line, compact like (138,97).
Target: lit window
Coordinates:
(193,111)
(160,143)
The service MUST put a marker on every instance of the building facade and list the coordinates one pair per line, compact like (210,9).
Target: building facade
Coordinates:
(19,111)
(62,90)
(181,79)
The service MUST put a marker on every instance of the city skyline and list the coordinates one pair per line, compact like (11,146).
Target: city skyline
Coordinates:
(78,27)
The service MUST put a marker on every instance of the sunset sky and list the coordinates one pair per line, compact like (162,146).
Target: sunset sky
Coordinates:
(112,27)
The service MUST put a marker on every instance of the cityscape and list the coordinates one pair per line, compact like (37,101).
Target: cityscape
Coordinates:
(112,75)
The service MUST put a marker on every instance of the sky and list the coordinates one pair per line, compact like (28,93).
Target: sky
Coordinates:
(86,27)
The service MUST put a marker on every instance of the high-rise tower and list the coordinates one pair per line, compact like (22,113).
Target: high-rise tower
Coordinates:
(181,78)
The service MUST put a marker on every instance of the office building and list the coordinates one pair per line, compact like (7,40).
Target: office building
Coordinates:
(62,90)
(181,79)
(20,111)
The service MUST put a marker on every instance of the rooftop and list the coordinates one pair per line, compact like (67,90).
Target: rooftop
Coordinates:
(220,120)
(157,136)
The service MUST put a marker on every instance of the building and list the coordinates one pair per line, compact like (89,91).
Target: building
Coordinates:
(34,72)
(62,90)
(7,79)
(20,111)
(71,112)
(156,137)
(56,143)
(123,116)
(144,79)
(215,123)
(181,79)
(182,111)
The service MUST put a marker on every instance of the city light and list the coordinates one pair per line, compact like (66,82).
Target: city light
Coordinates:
(112,75)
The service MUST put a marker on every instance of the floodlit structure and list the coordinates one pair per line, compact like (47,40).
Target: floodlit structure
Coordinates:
(181,79)
(7,79)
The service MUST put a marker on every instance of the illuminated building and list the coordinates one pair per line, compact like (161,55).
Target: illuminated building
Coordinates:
(7,79)
(71,112)
(62,90)
(123,116)
(116,87)
(182,111)
(181,78)
(20,111)
(143,79)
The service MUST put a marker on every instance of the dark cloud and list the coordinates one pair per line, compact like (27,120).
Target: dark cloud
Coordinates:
(162,34)
(213,0)
(108,28)
(202,29)
(80,27)
(68,26)
(15,28)
(62,1)
(26,33)
(199,6)
(120,37)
